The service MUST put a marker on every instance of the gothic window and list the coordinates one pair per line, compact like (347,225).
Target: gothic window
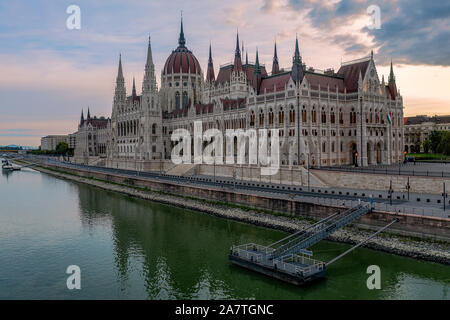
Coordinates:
(261,118)
(281,116)
(185,99)
(154,128)
(304,116)
(292,115)
(270,117)
(324,117)
(177,100)
(332,118)
(252,118)
(313,116)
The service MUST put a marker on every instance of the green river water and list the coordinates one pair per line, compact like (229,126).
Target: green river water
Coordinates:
(128,248)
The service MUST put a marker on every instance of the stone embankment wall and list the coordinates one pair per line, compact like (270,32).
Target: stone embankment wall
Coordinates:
(409,224)
(416,248)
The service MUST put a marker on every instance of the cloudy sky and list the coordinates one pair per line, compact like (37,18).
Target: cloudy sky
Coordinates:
(49,73)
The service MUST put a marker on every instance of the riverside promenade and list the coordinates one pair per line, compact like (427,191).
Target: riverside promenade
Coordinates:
(289,200)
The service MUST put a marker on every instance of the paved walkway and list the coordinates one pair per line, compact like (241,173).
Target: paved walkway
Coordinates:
(428,205)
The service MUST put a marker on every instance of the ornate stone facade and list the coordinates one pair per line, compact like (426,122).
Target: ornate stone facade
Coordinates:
(325,117)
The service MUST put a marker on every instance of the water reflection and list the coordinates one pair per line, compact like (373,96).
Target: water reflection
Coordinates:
(180,254)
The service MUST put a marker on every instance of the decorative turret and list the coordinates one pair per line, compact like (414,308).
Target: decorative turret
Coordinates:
(391,83)
(82,117)
(133,92)
(257,74)
(237,67)
(210,77)
(275,66)
(297,67)
(120,92)
(149,83)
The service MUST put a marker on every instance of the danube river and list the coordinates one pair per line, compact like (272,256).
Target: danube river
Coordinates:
(134,249)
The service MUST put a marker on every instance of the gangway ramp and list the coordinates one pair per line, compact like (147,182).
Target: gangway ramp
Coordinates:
(285,259)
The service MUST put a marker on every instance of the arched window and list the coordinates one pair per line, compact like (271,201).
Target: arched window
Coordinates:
(177,100)
(270,117)
(292,115)
(261,118)
(281,116)
(154,128)
(185,99)
(252,118)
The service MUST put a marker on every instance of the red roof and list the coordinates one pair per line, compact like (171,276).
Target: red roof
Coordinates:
(225,73)
(182,61)
(324,81)
(275,83)
(351,72)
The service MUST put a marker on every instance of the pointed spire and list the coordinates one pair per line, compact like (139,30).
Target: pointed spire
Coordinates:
(391,83)
(257,74)
(181,39)
(246,57)
(210,55)
(391,74)
(89,114)
(257,67)
(297,56)
(119,72)
(237,51)
(149,53)
(237,67)
(82,117)
(275,66)
(297,66)
(134,88)
(210,73)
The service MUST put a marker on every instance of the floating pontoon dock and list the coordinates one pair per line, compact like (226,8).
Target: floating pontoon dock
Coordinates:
(288,259)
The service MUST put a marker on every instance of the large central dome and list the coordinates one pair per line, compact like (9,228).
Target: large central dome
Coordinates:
(182,60)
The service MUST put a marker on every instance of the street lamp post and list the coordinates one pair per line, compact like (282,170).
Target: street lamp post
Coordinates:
(308,173)
(408,186)
(444,195)
(390,192)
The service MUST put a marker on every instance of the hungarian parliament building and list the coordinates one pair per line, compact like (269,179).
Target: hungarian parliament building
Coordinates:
(325,118)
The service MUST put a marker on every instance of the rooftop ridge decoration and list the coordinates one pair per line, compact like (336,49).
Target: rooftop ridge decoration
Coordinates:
(346,63)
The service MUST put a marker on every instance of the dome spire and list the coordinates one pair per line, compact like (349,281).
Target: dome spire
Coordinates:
(181,39)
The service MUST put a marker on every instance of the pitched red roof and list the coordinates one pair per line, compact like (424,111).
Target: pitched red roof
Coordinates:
(275,83)
(324,81)
(351,72)
(225,73)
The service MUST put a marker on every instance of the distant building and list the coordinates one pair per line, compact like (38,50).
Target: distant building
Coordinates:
(91,139)
(418,129)
(72,140)
(50,142)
